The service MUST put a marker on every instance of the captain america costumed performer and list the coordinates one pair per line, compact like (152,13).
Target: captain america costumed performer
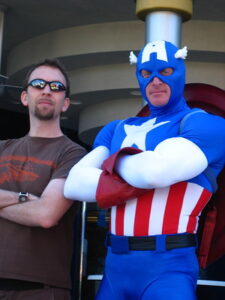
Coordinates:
(151,172)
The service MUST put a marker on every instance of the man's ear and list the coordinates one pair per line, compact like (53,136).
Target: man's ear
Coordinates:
(23,98)
(66,104)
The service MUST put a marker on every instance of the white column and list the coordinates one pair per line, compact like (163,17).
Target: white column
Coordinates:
(163,18)
(163,25)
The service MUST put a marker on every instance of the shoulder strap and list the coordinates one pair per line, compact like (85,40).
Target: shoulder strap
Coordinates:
(118,124)
(198,110)
(208,171)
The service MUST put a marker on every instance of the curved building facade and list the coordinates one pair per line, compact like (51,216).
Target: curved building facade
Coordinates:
(93,40)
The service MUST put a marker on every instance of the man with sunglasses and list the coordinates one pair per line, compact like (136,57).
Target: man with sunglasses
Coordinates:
(36,220)
(151,172)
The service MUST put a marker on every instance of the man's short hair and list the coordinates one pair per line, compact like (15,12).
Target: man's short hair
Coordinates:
(54,63)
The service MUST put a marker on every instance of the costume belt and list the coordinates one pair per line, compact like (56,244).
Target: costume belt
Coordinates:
(122,244)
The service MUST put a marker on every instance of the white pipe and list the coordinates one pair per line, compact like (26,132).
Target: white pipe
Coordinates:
(163,25)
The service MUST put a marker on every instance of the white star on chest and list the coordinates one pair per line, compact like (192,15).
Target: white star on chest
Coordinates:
(137,134)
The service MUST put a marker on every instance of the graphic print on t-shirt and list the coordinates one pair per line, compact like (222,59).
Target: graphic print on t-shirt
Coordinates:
(21,168)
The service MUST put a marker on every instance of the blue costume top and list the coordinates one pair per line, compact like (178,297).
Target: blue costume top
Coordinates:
(204,130)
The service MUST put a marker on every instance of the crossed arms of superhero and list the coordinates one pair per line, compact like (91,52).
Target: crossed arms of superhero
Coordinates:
(112,179)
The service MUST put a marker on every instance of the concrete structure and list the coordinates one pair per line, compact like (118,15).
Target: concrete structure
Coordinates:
(93,39)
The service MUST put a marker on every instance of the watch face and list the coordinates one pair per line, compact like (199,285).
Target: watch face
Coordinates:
(23,197)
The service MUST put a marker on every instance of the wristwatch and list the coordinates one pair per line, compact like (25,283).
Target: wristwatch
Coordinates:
(23,197)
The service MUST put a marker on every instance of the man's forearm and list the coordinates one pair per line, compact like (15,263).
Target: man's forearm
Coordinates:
(20,213)
(8,198)
(28,213)
(44,211)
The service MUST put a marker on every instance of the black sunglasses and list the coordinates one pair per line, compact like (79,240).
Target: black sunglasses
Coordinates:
(55,86)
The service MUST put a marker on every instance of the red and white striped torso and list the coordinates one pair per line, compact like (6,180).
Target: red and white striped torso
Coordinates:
(169,210)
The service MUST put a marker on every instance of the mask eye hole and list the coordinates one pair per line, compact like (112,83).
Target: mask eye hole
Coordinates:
(167,71)
(146,73)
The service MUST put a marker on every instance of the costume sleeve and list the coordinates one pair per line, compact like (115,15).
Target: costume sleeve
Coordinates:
(112,189)
(82,182)
(208,133)
(83,179)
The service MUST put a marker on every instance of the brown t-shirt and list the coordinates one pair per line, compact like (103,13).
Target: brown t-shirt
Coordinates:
(33,253)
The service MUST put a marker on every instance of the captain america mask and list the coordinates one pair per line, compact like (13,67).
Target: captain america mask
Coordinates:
(156,57)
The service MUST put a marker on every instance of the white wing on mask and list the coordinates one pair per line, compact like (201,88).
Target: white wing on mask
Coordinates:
(181,53)
(132,58)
